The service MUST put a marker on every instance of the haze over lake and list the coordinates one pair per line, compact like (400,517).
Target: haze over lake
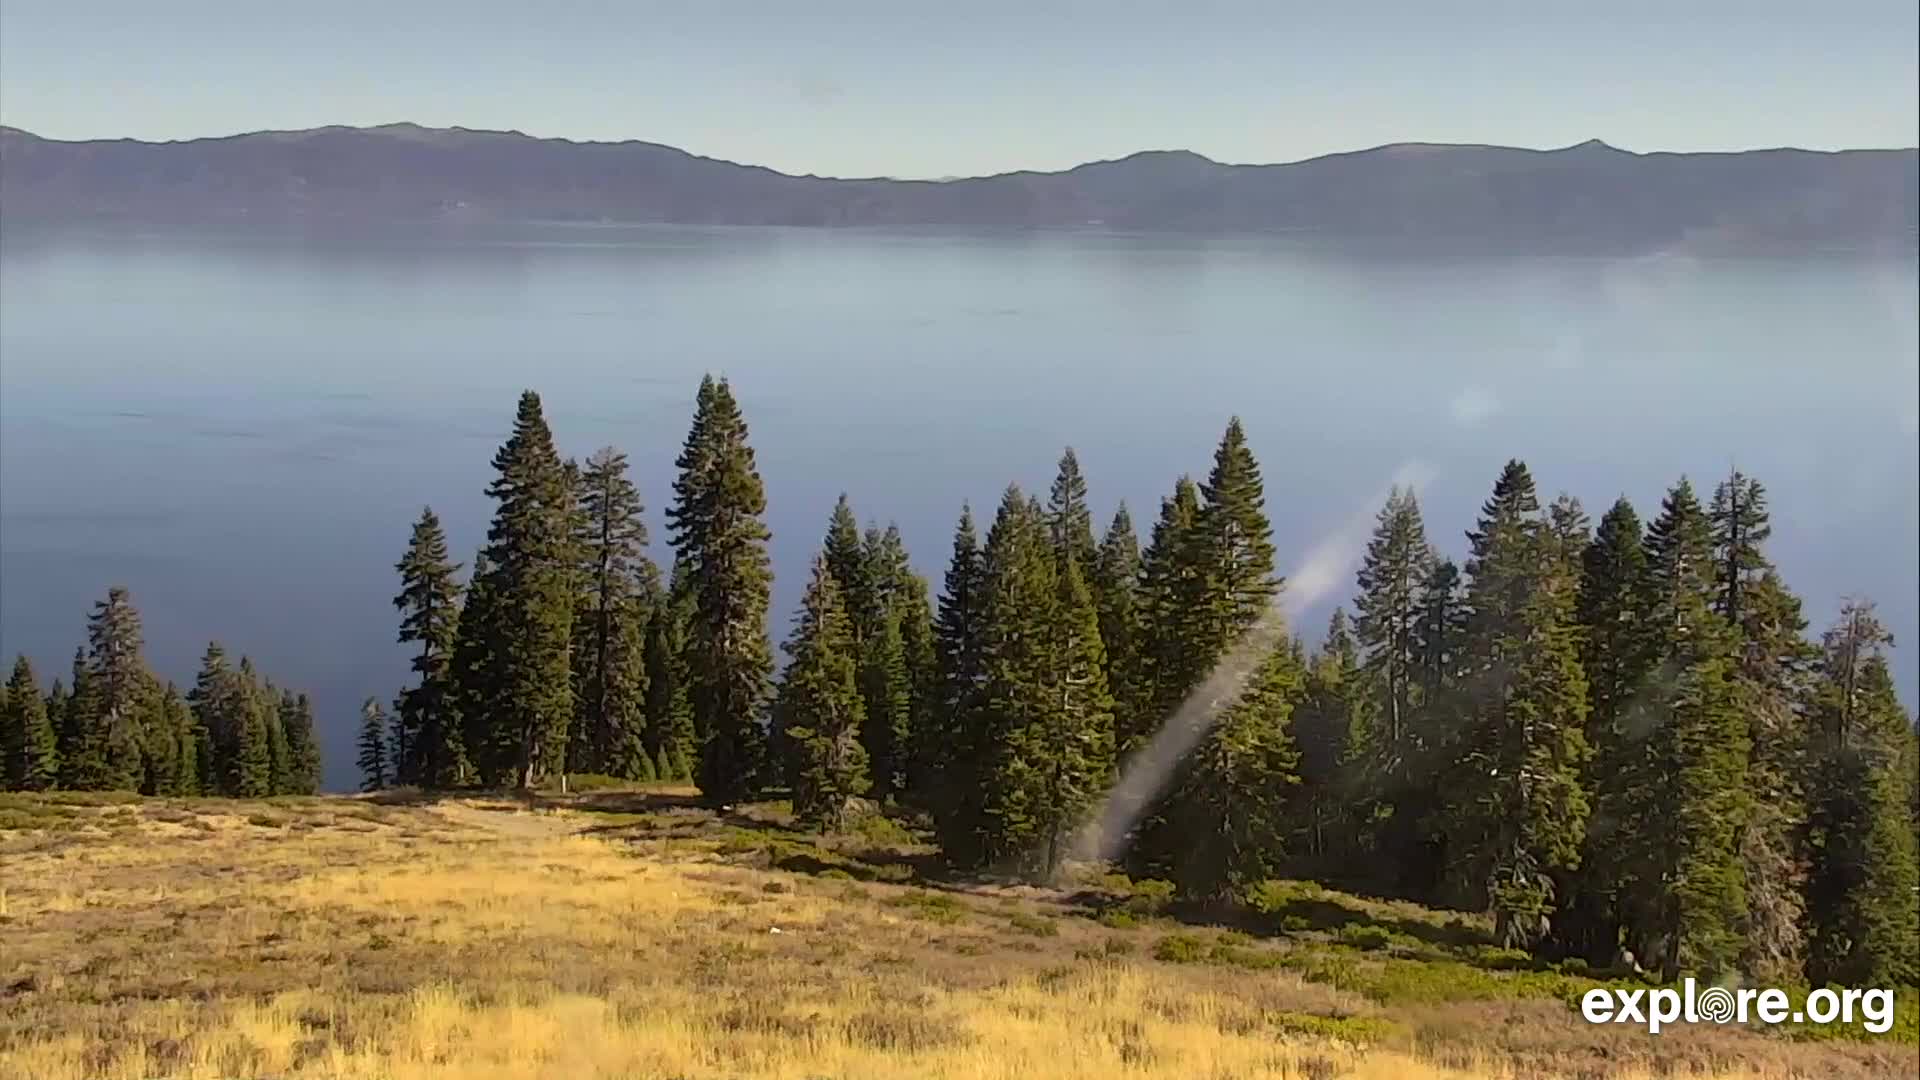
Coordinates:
(242,427)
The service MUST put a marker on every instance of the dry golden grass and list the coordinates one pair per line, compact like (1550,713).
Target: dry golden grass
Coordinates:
(344,938)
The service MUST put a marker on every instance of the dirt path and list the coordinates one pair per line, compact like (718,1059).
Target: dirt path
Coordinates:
(504,819)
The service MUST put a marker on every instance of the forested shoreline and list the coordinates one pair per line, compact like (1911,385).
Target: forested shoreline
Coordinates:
(115,726)
(1615,737)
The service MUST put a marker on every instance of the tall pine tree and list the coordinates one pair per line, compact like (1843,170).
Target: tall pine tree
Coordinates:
(610,640)
(1232,802)
(1614,653)
(1773,664)
(429,605)
(530,575)
(1516,809)
(303,753)
(29,753)
(953,745)
(117,692)
(1115,583)
(1685,883)
(718,500)
(822,708)
(1864,874)
(1171,656)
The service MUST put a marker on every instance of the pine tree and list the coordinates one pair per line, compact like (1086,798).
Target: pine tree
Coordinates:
(429,606)
(1017,613)
(159,743)
(1614,653)
(915,611)
(29,751)
(488,748)
(1207,580)
(279,761)
(1232,801)
(1115,583)
(1543,767)
(1740,524)
(886,712)
(1685,880)
(1864,874)
(1172,655)
(531,577)
(400,746)
(178,725)
(1517,809)
(1234,545)
(375,769)
(1396,567)
(1069,522)
(886,680)
(1049,748)
(846,556)
(1074,747)
(610,645)
(669,732)
(1773,665)
(822,706)
(303,753)
(953,745)
(211,701)
(718,532)
(1501,574)
(1331,723)
(73,714)
(118,688)
(250,764)
(1441,643)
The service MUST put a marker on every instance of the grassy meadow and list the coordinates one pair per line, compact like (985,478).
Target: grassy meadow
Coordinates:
(620,933)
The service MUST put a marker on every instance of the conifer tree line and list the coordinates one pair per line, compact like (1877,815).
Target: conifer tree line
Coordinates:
(1617,738)
(115,726)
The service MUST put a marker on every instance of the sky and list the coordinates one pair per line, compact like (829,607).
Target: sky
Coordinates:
(918,89)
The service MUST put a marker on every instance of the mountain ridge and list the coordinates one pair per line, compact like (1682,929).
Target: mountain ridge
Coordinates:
(1586,197)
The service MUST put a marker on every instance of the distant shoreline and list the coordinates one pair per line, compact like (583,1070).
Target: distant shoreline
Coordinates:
(1588,199)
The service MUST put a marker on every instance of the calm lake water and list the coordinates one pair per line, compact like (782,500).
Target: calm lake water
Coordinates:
(241,428)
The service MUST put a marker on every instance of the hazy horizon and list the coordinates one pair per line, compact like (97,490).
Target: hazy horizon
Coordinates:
(854,89)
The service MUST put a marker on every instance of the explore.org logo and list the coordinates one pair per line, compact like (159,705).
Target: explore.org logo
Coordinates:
(1719,1005)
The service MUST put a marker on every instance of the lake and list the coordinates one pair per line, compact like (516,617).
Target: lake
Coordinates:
(241,427)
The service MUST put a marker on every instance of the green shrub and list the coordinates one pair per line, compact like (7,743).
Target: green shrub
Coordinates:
(881,831)
(1180,949)
(1118,919)
(1149,897)
(1273,896)
(1033,924)
(1355,1030)
(933,907)
(1366,938)
(1494,958)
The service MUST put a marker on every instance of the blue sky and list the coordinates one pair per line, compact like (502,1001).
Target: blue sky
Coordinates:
(924,89)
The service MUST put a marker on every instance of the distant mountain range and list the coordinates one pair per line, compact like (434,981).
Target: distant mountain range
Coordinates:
(1589,198)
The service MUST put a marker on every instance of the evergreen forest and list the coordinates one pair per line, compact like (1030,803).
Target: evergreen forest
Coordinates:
(1617,736)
